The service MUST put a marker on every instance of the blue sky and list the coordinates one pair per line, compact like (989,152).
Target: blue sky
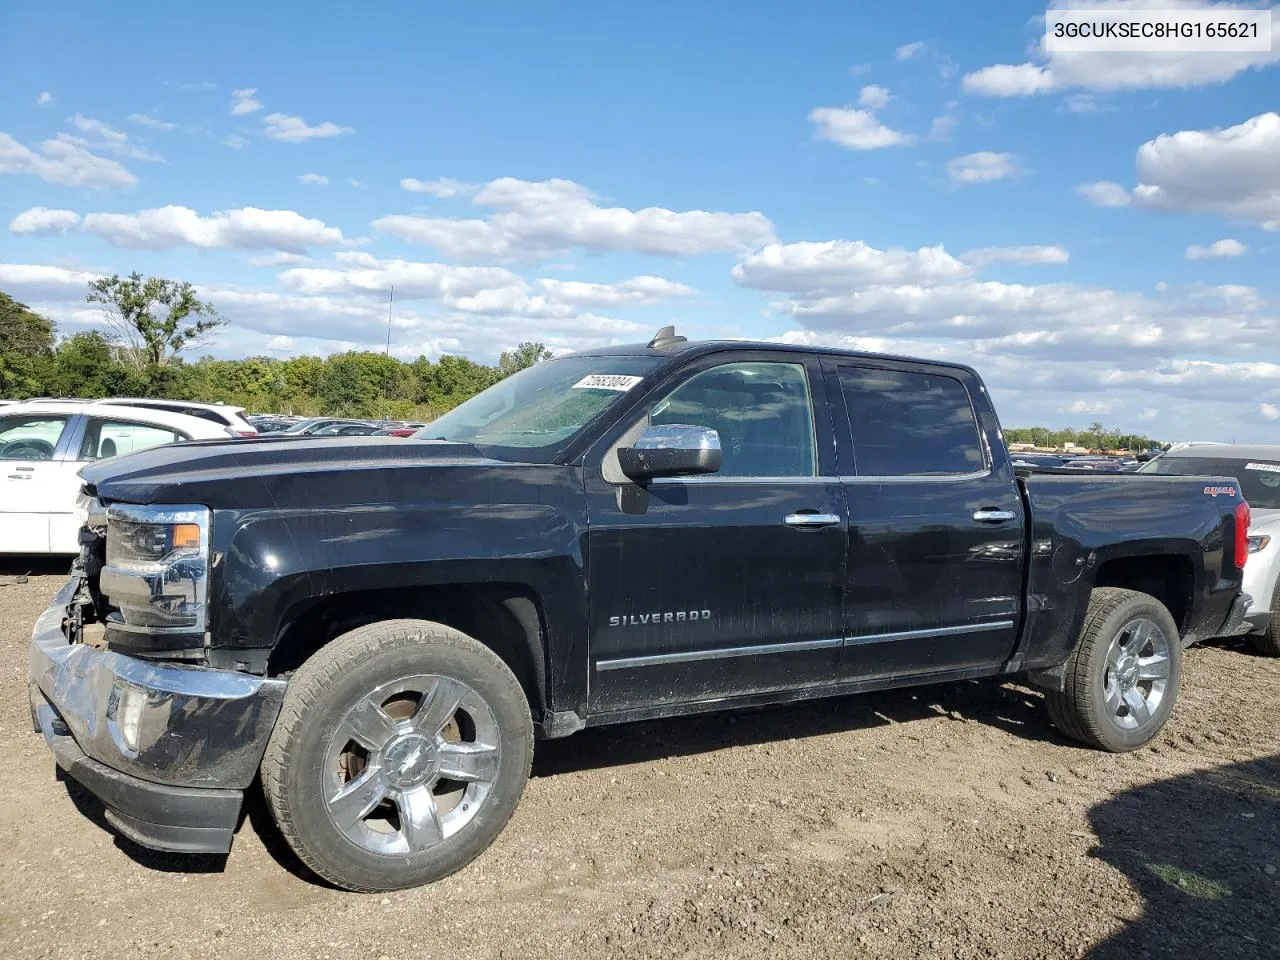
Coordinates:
(1098,234)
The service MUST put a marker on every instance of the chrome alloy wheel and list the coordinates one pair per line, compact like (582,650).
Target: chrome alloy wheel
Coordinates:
(1138,668)
(411,764)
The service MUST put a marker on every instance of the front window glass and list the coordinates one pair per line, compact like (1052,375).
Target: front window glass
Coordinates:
(1259,479)
(541,408)
(762,412)
(29,438)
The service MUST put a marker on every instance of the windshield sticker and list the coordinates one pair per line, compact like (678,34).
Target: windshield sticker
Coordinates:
(607,381)
(1225,491)
(1265,467)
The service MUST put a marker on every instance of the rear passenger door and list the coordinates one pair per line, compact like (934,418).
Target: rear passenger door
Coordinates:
(934,569)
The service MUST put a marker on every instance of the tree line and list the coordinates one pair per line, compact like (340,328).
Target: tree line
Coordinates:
(1095,437)
(151,323)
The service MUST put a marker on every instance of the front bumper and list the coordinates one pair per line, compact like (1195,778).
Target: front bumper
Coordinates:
(1237,621)
(168,748)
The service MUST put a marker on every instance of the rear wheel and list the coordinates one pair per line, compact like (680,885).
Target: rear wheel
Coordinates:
(1122,680)
(401,751)
(1267,643)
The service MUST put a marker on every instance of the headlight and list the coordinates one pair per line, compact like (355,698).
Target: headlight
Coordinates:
(157,570)
(1258,543)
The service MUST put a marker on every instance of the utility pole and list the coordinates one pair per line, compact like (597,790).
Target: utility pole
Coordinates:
(389,303)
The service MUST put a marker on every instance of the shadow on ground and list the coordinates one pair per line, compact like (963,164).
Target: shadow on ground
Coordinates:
(14,567)
(979,701)
(1204,851)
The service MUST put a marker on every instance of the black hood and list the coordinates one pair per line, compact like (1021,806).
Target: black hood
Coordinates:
(213,472)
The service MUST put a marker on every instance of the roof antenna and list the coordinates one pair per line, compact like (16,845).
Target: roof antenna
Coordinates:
(665,338)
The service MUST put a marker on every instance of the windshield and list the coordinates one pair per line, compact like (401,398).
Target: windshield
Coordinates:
(1259,479)
(541,408)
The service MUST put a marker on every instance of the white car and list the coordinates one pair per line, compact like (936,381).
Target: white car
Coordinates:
(220,413)
(1257,469)
(43,445)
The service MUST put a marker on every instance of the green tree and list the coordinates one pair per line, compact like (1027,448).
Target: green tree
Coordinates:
(26,347)
(525,355)
(155,319)
(344,389)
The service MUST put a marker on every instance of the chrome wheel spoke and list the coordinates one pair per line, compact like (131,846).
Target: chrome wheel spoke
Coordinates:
(468,762)
(369,725)
(1137,704)
(356,799)
(1154,667)
(419,818)
(438,706)
(1113,698)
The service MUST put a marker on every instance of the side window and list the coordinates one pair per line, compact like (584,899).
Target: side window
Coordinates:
(762,412)
(910,424)
(115,438)
(30,438)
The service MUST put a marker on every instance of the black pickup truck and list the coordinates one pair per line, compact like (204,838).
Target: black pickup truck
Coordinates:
(378,628)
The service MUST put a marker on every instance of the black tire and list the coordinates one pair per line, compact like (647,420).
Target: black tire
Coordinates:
(1080,710)
(1267,643)
(325,691)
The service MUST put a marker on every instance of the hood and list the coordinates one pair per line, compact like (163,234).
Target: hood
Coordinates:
(212,470)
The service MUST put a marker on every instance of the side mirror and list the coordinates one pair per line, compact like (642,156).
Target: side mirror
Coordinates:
(673,450)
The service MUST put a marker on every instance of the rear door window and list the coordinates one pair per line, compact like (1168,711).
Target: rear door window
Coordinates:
(115,438)
(910,424)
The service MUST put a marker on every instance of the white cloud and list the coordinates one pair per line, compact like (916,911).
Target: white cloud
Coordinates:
(33,280)
(1009,80)
(1090,406)
(1104,193)
(982,167)
(281,344)
(121,148)
(279,259)
(98,129)
(204,86)
(1232,172)
(1106,71)
(313,179)
(1217,250)
(859,69)
(357,184)
(45,98)
(1021,255)
(63,163)
(280,126)
(638,291)
(242,101)
(146,120)
(874,97)
(443,187)
(43,220)
(842,264)
(166,228)
(1269,411)
(908,50)
(533,219)
(855,129)
(234,141)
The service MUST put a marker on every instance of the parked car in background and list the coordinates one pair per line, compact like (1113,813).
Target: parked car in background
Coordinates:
(268,425)
(397,431)
(1257,469)
(1094,464)
(357,429)
(43,445)
(312,426)
(1037,460)
(228,416)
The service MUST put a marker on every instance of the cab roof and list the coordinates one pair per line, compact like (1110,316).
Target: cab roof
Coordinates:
(1226,451)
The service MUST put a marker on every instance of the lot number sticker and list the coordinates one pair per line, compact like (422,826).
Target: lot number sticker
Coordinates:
(607,381)
(1265,467)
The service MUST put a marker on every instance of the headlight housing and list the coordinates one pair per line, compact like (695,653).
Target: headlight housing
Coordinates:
(157,576)
(1258,542)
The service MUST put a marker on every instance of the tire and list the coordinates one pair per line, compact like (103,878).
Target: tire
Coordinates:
(1126,640)
(351,736)
(1267,643)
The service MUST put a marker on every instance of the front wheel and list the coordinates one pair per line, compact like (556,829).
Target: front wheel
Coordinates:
(1267,642)
(401,751)
(1122,680)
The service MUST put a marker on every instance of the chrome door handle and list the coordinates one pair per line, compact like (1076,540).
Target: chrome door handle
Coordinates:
(993,516)
(812,519)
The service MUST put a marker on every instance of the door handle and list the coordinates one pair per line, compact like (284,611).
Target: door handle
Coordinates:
(812,519)
(19,476)
(993,516)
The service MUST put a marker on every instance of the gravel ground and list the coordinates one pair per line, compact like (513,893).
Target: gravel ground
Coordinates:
(944,822)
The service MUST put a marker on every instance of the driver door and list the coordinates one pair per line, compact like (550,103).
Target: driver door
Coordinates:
(726,584)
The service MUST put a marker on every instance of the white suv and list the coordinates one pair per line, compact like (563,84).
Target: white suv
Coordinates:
(43,445)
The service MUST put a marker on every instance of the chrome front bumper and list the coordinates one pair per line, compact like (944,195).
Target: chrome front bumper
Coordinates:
(147,736)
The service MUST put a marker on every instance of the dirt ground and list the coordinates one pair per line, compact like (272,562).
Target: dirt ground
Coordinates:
(948,821)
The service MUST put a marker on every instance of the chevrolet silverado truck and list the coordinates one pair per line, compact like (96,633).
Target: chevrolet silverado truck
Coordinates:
(376,630)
